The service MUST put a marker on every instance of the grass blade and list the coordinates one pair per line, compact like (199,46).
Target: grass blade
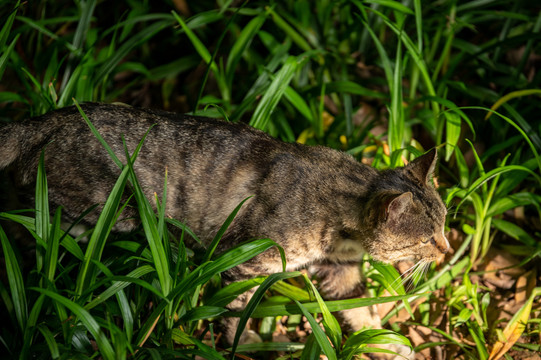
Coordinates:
(493,173)
(292,291)
(15,280)
(207,352)
(127,316)
(453,133)
(512,95)
(99,137)
(202,312)
(5,55)
(51,342)
(230,292)
(393,5)
(203,273)
(30,224)
(86,10)
(241,44)
(150,226)
(119,285)
(207,58)
(33,319)
(120,53)
(36,25)
(6,29)
(273,94)
(255,300)
(320,336)
(88,321)
(349,87)
(51,253)
(101,231)
(197,44)
(289,30)
(42,212)
(396,111)
(332,328)
(518,128)
(391,281)
(356,343)
(311,350)
(515,231)
(212,247)
(298,102)
(336,305)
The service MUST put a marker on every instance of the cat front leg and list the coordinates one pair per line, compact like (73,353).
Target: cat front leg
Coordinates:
(338,281)
(344,281)
(230,324)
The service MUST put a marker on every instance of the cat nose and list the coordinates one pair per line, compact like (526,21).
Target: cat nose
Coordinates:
(442,243)
(443,249)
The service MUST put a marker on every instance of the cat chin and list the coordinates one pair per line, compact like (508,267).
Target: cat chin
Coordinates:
(346,250)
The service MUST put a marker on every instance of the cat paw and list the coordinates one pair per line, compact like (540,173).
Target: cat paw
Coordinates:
(250,337)
(403,352)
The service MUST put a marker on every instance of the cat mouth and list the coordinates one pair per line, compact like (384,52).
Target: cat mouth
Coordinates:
(417,259)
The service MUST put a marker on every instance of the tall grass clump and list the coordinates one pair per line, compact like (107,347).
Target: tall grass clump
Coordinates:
(382,80)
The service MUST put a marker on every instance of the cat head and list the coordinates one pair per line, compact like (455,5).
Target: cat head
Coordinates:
(409,214)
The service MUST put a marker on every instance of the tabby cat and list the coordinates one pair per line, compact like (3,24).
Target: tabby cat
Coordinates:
(322,206)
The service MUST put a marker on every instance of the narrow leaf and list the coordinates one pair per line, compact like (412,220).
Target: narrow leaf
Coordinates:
(334,332)
(15,280)
(453,133)
(254,301)
(320,336)
(51,342)
(241,44)
(510,96)
(88,321)
(273,94)
(223,229)
(336,305)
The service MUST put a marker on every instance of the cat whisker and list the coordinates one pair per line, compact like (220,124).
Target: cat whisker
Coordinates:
(412,276)
(404,276)
(418,273)
(408,276)
(425,268)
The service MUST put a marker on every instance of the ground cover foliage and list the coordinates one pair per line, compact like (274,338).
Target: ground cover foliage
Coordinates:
(382,80)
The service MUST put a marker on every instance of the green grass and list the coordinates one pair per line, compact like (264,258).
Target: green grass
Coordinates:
(382,80)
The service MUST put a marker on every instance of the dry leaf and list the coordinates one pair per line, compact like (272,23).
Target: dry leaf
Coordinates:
(515,327)
(504,279)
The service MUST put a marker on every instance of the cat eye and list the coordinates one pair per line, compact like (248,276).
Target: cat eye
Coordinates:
(431,239)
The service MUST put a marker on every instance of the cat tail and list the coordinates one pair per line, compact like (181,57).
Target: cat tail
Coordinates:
(11,136)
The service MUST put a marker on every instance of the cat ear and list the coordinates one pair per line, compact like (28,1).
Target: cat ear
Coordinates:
(423,167)
(399,205)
